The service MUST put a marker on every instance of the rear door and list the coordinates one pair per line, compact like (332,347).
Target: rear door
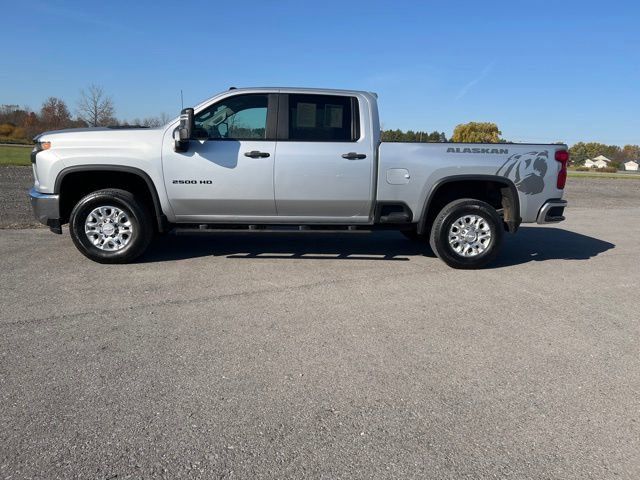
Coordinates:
(324,166)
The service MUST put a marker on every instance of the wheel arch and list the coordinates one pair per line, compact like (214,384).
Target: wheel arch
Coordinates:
(509,198)
(151,191)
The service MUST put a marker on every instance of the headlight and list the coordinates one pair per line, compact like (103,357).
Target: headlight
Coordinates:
(40,146)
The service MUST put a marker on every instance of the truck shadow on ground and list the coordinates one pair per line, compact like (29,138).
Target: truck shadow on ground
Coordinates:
(535,244)
(530,244)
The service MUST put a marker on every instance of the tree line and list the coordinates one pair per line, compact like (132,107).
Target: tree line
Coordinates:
(94,108)
(480,132)
(581,151)
(411,136)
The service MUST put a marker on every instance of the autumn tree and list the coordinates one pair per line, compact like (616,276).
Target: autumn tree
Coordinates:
(95,107)
(6,129)
(630,152)
(477,132)
(13,114)
(31,124)
(19,123)
(54,114)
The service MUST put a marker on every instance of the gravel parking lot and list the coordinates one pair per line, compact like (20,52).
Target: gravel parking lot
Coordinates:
(314,356)
(15,210)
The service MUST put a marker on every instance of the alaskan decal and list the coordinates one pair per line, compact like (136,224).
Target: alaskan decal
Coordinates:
(527,170)
(498,151)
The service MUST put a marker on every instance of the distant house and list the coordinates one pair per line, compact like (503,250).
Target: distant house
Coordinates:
(597,162)
(631,165)
(602,158)
(600,163)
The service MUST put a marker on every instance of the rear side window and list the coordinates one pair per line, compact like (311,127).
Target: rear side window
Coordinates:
(323,118)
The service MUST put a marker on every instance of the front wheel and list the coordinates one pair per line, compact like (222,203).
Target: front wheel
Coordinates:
(467,234)
(111,226)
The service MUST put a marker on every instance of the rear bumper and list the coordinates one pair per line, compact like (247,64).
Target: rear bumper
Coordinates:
(552,211)
(46,208)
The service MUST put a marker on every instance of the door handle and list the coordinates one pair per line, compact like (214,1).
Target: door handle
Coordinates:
(256,154)
(354,156)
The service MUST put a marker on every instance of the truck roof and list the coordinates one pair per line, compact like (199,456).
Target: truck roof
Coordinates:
(326,91)
(305,90)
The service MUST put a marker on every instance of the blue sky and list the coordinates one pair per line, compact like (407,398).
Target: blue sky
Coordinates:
(543,71)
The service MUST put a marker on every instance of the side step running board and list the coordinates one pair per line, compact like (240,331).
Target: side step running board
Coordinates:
(207,229)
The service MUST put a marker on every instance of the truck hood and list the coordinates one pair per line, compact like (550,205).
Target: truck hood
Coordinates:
(132,146)
(95,139)
(107,133)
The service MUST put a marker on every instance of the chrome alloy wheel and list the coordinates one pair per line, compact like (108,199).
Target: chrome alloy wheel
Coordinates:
(469,235)
(108,228)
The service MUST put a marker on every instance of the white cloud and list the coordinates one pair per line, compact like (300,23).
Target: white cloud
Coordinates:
(472,83)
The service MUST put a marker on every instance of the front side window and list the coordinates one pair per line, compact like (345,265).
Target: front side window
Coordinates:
(322,118)
(241,117)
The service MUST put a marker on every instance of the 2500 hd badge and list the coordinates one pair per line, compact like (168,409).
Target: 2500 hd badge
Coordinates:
(192,182)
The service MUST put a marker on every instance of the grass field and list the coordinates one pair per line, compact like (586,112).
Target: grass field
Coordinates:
(12,155)
(629,176)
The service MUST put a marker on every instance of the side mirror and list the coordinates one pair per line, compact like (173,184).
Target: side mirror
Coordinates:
(182,134)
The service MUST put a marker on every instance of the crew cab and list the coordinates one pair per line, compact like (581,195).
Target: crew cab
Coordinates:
(266,158)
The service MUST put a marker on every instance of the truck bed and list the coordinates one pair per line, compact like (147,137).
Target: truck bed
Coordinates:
(409,171)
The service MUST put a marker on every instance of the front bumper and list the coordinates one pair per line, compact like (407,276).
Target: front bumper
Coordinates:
(46,208)
(552,211)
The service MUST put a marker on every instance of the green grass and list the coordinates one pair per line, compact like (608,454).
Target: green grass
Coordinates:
(603,175)
(10,155)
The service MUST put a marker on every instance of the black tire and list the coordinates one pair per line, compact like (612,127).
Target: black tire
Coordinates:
(138,216)
(439,238)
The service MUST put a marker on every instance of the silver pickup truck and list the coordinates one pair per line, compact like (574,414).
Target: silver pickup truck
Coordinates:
(274,158)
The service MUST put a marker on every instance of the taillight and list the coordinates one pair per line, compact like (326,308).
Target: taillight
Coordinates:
(562,156)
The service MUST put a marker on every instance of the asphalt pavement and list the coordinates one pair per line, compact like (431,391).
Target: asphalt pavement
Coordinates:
(315,356)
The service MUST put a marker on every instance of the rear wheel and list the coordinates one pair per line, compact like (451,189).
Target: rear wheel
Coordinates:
(467,233)
(111,226)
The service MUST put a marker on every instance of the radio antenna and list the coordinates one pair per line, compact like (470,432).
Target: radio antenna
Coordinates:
(181,100)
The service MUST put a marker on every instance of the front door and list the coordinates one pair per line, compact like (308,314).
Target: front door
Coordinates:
(227,172)
(324,168)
